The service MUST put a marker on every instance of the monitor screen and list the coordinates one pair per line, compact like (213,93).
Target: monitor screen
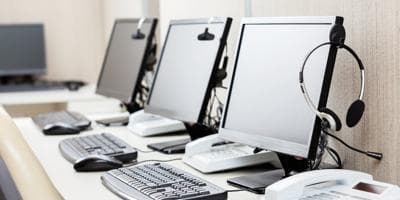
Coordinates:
(182,79)
(22,49)
(122,67)
(265,107)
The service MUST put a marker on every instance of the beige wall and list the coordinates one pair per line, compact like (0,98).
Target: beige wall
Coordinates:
(373,31)
(77,31)
(182,9)
(74,33)
(114,9)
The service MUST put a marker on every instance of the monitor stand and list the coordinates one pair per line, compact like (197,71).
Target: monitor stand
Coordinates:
(257,183)
(121,119)
(132,107)
(178,146)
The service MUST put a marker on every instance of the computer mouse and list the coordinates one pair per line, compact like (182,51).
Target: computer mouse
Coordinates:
(60,128)
(74,85)
(97,162)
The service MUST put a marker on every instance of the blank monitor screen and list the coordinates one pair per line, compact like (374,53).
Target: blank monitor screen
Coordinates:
(265,107)
(22,49)
(123,61)
(183,75)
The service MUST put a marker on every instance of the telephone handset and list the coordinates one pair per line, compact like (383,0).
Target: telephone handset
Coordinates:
(331,184)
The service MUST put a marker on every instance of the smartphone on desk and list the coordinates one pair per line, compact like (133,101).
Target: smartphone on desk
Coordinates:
(332,184)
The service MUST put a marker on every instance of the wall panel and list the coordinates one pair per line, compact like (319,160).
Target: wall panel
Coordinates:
(373,30)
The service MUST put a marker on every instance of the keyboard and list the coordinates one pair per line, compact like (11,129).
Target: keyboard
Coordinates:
(105,143)
(27,87)
(71,118)
(159,182)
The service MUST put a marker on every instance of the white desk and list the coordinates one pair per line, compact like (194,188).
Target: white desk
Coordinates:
(74,185)
(52,96)
(85,100)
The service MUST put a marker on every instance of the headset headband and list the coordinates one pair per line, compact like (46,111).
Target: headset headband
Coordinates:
(140,23)
(301,74)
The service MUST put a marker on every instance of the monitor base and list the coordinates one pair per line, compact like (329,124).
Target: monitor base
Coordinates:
(257,183)
(170,147)
(145,124)
(117,119)
(195,131)
(132,107)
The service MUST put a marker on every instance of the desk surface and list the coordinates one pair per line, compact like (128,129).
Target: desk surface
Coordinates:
(74,185)
(54,96)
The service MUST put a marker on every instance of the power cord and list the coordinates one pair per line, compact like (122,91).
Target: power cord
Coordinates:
(335,156)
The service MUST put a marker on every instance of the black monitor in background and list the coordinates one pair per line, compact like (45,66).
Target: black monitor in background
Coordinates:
(127,59)
(22,50)
(265,107)
(185,75)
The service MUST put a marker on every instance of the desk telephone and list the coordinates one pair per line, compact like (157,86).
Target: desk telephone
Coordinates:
(331,184)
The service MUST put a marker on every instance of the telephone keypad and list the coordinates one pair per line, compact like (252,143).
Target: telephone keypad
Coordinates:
(321,196)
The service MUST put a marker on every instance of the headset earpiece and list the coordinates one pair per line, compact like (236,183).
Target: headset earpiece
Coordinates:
(333,120)
(355,113)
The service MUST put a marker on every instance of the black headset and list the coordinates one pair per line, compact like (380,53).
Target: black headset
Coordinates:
(329,119)
(356,110)
(221,73)
(139,35)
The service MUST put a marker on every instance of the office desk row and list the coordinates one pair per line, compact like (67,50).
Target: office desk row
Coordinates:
(77,185)
(23,104)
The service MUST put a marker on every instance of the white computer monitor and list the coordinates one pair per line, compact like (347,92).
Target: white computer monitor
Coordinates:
(183,80)
(265,107)
(125,60)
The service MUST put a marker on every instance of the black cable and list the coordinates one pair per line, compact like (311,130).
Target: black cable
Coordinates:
(335,155)
(345,144)
(235,190)
(144,151)
(152,160)
(223,87)
(375,155)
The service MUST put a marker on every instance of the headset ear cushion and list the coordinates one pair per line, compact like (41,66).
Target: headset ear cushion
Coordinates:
(334,116)
(355,113)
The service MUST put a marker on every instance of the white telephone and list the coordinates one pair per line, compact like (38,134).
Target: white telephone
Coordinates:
(145,124)
(213,154)
(331,184)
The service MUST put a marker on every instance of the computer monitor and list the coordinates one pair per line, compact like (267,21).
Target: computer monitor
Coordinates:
(125,60)
(188,63)
(22,50)
(265,107)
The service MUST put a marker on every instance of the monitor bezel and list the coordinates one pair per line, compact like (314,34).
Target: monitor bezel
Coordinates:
(142,69)
(222,42)
(251,139)
(30,72)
